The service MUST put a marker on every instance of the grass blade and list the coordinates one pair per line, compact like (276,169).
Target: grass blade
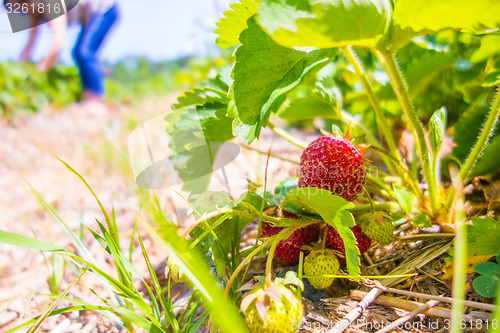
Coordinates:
(225,314)
(51,308)
(156,283)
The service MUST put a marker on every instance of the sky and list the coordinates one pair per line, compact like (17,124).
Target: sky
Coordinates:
(157,29)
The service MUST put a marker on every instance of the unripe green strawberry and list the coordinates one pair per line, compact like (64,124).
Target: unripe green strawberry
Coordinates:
(274,308)
(333,164)
(172,270)
(321,262)
(379,227)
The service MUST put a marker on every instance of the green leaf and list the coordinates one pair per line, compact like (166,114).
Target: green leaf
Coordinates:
(223,313)
(254,199)
(213,92)
(201,96)
(285,186)
(404,198)
(422,221)
(488,162)
(486,286)
(333,210)
(325,24)
(483,236)
(466,131)
(398,36)
(423,65)
(490,46)
(225,228)
(465,136)
(437,126)
(487,268)
(312,106)
(264,73)
(30,243)
(196,136)
(234,22)
(492,79)
(472,16)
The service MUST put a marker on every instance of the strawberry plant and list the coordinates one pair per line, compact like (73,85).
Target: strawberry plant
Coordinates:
(402,97)
(487,284)
(25,90)
(380,71)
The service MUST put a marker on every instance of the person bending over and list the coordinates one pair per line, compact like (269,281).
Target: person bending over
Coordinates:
(96,18)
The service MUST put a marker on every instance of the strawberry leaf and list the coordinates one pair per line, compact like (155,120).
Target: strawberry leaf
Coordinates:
(263,74)
(334,211)
(472,16)
(325,24)
(234,22)
(465,135)
(484,236)
(487,284)
(196,136)
(490,46)
(214,92)
(422,221)
(404,198)
(310,107)
(197,130)
(226,227)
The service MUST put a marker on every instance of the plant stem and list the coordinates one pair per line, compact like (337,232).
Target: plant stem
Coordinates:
(353,59)
(269,262)
(287,136)
(243,264)
(482,142)
(381,184)
(413,185)
(367,208)
(266,153)
(415,125)
(460,257)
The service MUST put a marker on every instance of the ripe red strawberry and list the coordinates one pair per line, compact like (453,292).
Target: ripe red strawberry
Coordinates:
(333,164)
(334,241)
(288,250)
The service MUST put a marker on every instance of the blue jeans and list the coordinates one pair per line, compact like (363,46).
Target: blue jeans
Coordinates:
(87,45)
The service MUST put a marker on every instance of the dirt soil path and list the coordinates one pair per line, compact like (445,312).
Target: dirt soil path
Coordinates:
(92,145)
(96,147)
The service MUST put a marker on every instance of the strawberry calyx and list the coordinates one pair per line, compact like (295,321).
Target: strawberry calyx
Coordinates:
(283,290)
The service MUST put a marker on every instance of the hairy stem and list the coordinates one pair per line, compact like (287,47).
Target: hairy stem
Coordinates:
(459,271)
(243,264)
(482,142)
(353,59)
(380,184)
(415,125)
(413,185)
(269,262)
(287,136)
